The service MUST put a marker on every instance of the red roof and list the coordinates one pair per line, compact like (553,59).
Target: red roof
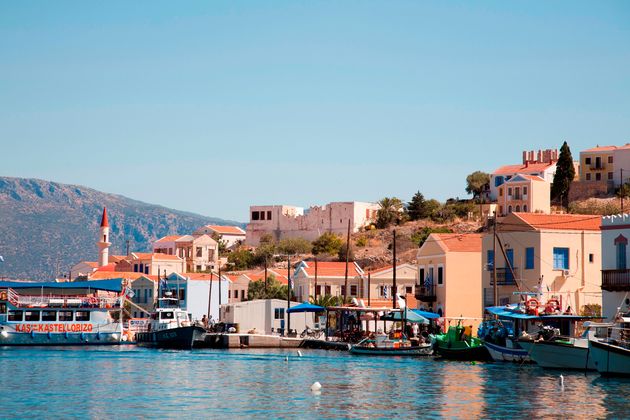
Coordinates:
(104,221)
(226,230)
(169,238)
(601,149)
(103,275)
(330,269)
(542,221)
(109,267)
(460,242)
(521,168)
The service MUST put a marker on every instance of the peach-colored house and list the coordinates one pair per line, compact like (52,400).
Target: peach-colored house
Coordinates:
(524,193)
(381,281)
(200,253)
(150,263)
(542,164)
(449,275)
(330,279)
(240,282)
(556,256)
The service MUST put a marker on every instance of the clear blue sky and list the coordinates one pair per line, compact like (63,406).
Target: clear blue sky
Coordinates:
(212,106)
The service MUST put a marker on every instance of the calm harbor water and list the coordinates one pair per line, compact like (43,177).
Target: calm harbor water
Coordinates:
(127,381)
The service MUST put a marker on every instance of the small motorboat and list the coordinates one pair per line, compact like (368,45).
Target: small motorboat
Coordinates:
(459,344)
(382,345)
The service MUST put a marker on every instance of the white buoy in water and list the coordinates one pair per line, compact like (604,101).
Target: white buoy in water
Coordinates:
(562,382)
(316,386)
(299,353)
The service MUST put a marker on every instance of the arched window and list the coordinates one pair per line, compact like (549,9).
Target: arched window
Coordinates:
(518,208)
(509,209)
(621,243)
(525,208)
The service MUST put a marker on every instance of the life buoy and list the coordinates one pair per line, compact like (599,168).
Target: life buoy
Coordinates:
(552,306)
(532,303)
(3,295)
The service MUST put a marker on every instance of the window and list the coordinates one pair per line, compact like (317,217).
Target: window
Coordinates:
(518,208)
(353,290)
(498,181)
(182,294)
(65,315)
(268,214)
(510,191)
(561,258)
(621,256)
(31,316)
(255,215)
(141,268)
(198,268)
(588,177)
(242,294)
(517,193)
(146,269)
(490,259)
(431,274)
(49,316)
(500,192)
(16,316)
(610,159)
(82,315)
(587,161)
(610,175)
(199,251)
(278,313)
(167,315)
(598,176)
(343,290)
(421,275)
(529,258)
(525,208)
(440,279)
(591,258)
(509,209)
(135,268)
(408,290)
(262,215)
(524,190)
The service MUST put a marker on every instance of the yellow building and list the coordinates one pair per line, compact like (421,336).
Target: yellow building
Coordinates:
(449,274)
(555,256)
(597,164)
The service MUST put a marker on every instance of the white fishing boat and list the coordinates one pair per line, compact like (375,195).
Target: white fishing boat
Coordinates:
(70,313)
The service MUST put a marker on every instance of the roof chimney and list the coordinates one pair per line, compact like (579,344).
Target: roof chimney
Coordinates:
(524,157)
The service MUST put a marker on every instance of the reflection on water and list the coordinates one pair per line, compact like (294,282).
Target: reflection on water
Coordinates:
(128,381)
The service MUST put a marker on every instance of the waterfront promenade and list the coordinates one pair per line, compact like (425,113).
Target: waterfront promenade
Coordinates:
(132,382)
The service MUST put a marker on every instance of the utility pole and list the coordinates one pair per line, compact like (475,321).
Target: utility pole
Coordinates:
(494,260)
(622,189)
(345,291)
(219,290)
(369,286)
(315,293)
(265,275)
(286,332)
(394,286)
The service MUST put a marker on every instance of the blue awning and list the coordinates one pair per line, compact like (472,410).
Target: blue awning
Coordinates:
(427,315)
(306,307)
(110,285)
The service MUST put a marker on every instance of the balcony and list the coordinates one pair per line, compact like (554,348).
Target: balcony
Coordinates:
(426,294)
(616,280)
(504,276)
(597,167)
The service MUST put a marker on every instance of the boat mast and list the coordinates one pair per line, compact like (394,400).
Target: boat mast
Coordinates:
(394,287)
(494,260)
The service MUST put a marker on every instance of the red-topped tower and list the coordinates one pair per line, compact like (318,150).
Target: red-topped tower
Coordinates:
(103,243)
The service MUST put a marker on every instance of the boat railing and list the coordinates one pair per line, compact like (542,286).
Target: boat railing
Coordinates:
(100,302)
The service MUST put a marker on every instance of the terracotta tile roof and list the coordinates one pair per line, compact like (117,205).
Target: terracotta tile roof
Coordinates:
(541,221)
(109,267)
(601,149)
(260,275)
(169,238)
(103,275)
(515,169)
(460,242)
(331,269)
(92,264)
(226,230)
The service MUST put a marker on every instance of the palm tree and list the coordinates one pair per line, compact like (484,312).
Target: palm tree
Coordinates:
(389,211)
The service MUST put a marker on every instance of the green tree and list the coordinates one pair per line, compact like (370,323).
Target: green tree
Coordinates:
(294,246)
(477,184)
(341,255)
(390,212)
(415,208)
(221,242)
(326,300)
(274,289)
(241,259)
(565,173)
(420,236)
(328,243)
(264,252)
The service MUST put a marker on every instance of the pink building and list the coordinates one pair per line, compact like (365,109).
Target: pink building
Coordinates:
(541,164)
(524,193)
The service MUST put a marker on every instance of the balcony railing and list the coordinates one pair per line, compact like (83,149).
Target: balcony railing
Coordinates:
(596,167)
(504,276)
(616,280)
(426,294)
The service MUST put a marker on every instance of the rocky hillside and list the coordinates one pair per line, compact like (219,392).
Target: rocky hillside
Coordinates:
(46,226)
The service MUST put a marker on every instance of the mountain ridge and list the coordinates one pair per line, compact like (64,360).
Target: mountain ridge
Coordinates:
(47,226)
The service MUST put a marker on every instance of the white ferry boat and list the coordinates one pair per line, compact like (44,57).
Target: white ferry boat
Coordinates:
(69,313)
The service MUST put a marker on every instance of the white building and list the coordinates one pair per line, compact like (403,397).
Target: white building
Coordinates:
(266,316)
(231,235)
(295,222)
(615,268)
(194,292)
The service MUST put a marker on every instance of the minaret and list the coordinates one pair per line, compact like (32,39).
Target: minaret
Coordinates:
(103,243)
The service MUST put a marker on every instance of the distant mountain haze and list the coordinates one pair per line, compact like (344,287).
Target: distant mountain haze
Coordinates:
(46,227)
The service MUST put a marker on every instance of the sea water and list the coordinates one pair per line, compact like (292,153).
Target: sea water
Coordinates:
(126,381)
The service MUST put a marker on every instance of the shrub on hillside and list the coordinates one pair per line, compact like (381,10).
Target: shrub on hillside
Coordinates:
(595,206)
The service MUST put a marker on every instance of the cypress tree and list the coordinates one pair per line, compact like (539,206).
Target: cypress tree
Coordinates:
(565,172)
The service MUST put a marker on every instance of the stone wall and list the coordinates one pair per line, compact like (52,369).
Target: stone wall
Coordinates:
(582,190)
